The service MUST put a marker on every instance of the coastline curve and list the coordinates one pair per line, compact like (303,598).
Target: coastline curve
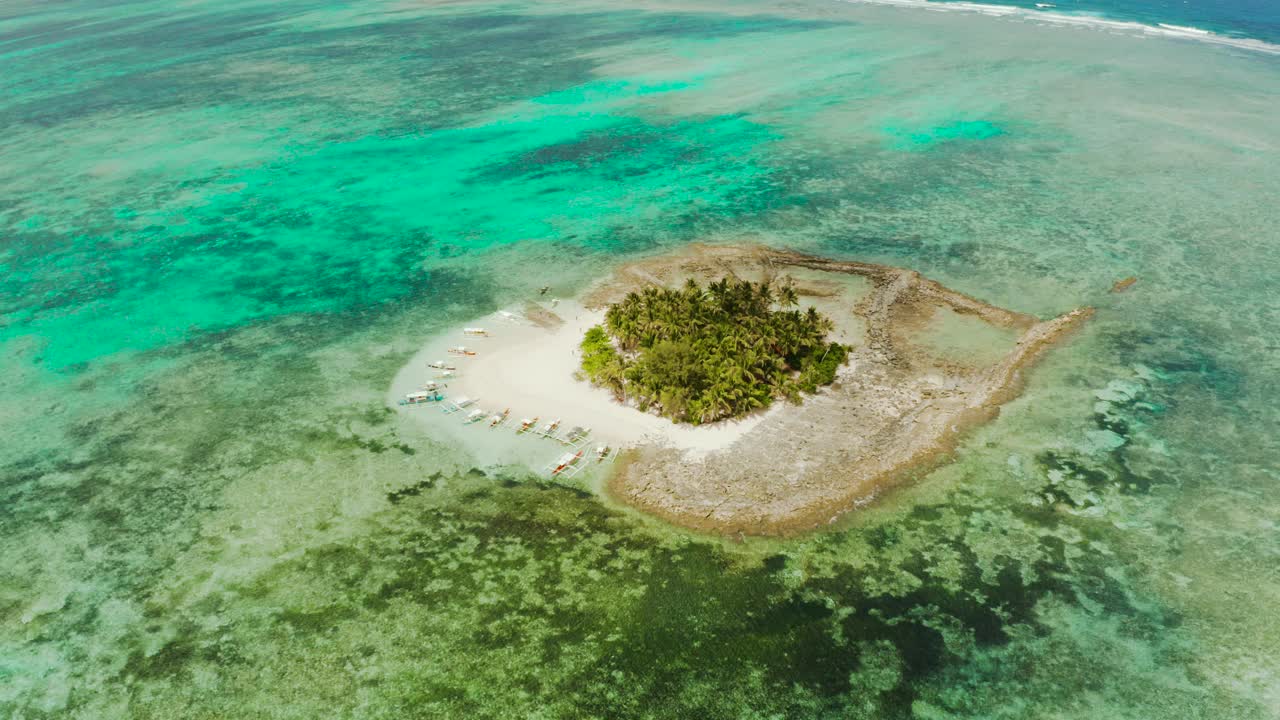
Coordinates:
(893,411)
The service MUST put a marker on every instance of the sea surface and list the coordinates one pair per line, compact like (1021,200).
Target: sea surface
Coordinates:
(1257,19)
(224,226)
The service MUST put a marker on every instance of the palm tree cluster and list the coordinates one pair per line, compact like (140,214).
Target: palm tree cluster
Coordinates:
(700,354)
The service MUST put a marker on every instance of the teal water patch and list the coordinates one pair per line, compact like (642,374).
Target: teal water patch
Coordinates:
(909,138)
(353,224)
(240,163)
(606,90)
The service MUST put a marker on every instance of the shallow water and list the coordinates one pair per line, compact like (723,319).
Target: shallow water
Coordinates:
(950,337)
(227,225)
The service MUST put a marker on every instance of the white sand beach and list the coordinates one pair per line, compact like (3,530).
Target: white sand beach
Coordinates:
(529,368)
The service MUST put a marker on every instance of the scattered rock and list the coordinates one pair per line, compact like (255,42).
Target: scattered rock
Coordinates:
(1125,284)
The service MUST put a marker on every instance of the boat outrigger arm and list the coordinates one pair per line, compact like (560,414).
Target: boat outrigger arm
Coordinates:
(456,405)
(567,462)
(576,436)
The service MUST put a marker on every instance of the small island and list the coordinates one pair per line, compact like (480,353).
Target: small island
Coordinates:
(700,354)
(743,390)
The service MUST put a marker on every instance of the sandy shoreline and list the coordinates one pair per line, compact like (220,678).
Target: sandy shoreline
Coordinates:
(530,369)
(901,404)
(527,365)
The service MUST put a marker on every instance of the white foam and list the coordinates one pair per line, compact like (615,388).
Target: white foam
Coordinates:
(1085,21)
(1184,29)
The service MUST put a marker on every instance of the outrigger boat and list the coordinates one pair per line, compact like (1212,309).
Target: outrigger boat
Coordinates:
(461,350)
(496,420)
(459,404)
(475,416)
(550,427)
(475,332)
(433,385)
(447,375)
(602,452)
(565,461)
(526,423)
(441,365)
(576,433)
(422,396)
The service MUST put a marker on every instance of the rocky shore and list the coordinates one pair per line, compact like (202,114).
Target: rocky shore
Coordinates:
(898,406)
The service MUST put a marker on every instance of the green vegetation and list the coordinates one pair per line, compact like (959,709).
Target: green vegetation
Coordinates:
(703,354)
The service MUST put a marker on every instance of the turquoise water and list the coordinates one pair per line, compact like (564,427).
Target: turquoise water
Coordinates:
(227,225)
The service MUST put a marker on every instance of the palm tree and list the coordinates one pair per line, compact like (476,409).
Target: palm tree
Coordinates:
(787,295)
(765,294)
(700,355)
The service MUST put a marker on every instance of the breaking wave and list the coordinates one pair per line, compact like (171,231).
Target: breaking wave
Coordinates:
(1088,21)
